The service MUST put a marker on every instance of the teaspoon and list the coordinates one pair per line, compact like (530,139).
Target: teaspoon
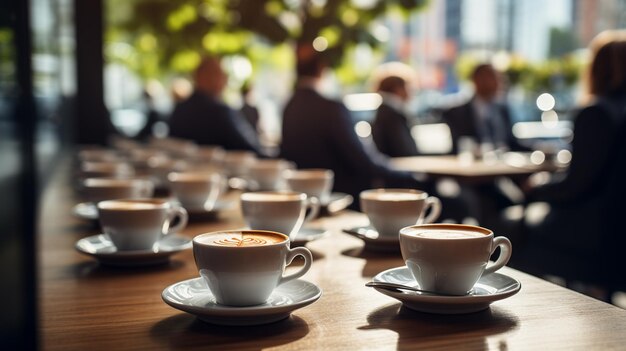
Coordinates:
(397,287)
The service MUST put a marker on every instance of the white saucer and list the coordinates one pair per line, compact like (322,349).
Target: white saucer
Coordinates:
(336,202)
(308,234)
(100,247)
(86,210)
(193,296)
(373,241)
(491,287)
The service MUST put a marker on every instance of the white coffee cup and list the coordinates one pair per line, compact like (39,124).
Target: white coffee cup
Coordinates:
(390,210)
(267,174)
(160,168)
(138,224)
(242,268)
(278,211)
(196,190)
(236,163)
(313,182)
(450,258)
(100,189)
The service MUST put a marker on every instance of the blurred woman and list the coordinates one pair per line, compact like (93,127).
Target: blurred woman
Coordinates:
(575,238)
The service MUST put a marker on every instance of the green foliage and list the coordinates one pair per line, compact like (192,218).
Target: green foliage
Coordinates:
(551,75)
(162,35)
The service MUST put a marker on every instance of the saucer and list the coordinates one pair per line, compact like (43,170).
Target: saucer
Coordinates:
(193,296)
(489,288)
(336,202)
(86,210)
(373,241)
(308,234)
(100,247)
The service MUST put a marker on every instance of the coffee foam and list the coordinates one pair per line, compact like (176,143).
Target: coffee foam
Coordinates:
(309,174)
(240,239)
(270,196)
(393,196)
(444,234)
(123,205)
(106,182)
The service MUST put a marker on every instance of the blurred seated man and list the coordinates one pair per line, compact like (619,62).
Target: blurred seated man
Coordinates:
(319,133)
(488,123)
(204,118)
(483,117)
(390,130)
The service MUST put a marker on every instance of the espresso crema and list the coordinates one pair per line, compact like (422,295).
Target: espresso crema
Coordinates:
(445,234)
(393,196)
(241,239)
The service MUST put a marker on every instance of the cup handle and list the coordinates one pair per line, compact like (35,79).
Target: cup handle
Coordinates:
(182,215)
(308,259)
(435,210)
(313,205)
(505,254)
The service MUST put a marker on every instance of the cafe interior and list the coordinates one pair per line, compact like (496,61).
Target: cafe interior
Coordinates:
(312,174)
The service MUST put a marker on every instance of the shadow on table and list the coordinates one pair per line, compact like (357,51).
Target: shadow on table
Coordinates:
(418,330)
(375,261)
(184,330)
(94,269)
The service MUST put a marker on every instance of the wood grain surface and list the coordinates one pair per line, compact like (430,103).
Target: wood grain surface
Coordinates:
(85,306)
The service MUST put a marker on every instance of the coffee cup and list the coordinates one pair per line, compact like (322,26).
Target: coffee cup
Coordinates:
(139,224)
(267,174)
(242,268)
(278,211)
(450,258)
(100,189)
(313,182)
(106,169)
(196,190)
(160,168)
(236,163)
(390,210)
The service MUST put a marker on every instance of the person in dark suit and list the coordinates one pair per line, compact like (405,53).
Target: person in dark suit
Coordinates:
(206,120)
(483,118)
(487,122)
(319,133)
(578,237)
(249,111)
(390,129)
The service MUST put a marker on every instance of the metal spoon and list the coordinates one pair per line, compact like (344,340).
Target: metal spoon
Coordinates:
(398,287)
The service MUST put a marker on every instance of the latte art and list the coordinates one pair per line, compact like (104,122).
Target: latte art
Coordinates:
(240,239)
(254,241)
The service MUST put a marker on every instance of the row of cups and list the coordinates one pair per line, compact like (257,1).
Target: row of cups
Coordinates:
(200,191)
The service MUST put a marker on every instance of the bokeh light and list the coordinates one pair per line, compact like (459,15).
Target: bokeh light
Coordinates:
(564,156)
(546,102)
(320,44)
(537,157)
(363,129)
(550,119)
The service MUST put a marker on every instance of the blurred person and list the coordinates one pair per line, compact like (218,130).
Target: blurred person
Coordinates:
(248,110)
(391,127)
(319,133)
(205,119)
(486,122)
(583,224)
(152,115)
(483,118)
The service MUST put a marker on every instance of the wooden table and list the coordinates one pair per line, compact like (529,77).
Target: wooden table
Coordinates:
(512,165)
(88,307)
